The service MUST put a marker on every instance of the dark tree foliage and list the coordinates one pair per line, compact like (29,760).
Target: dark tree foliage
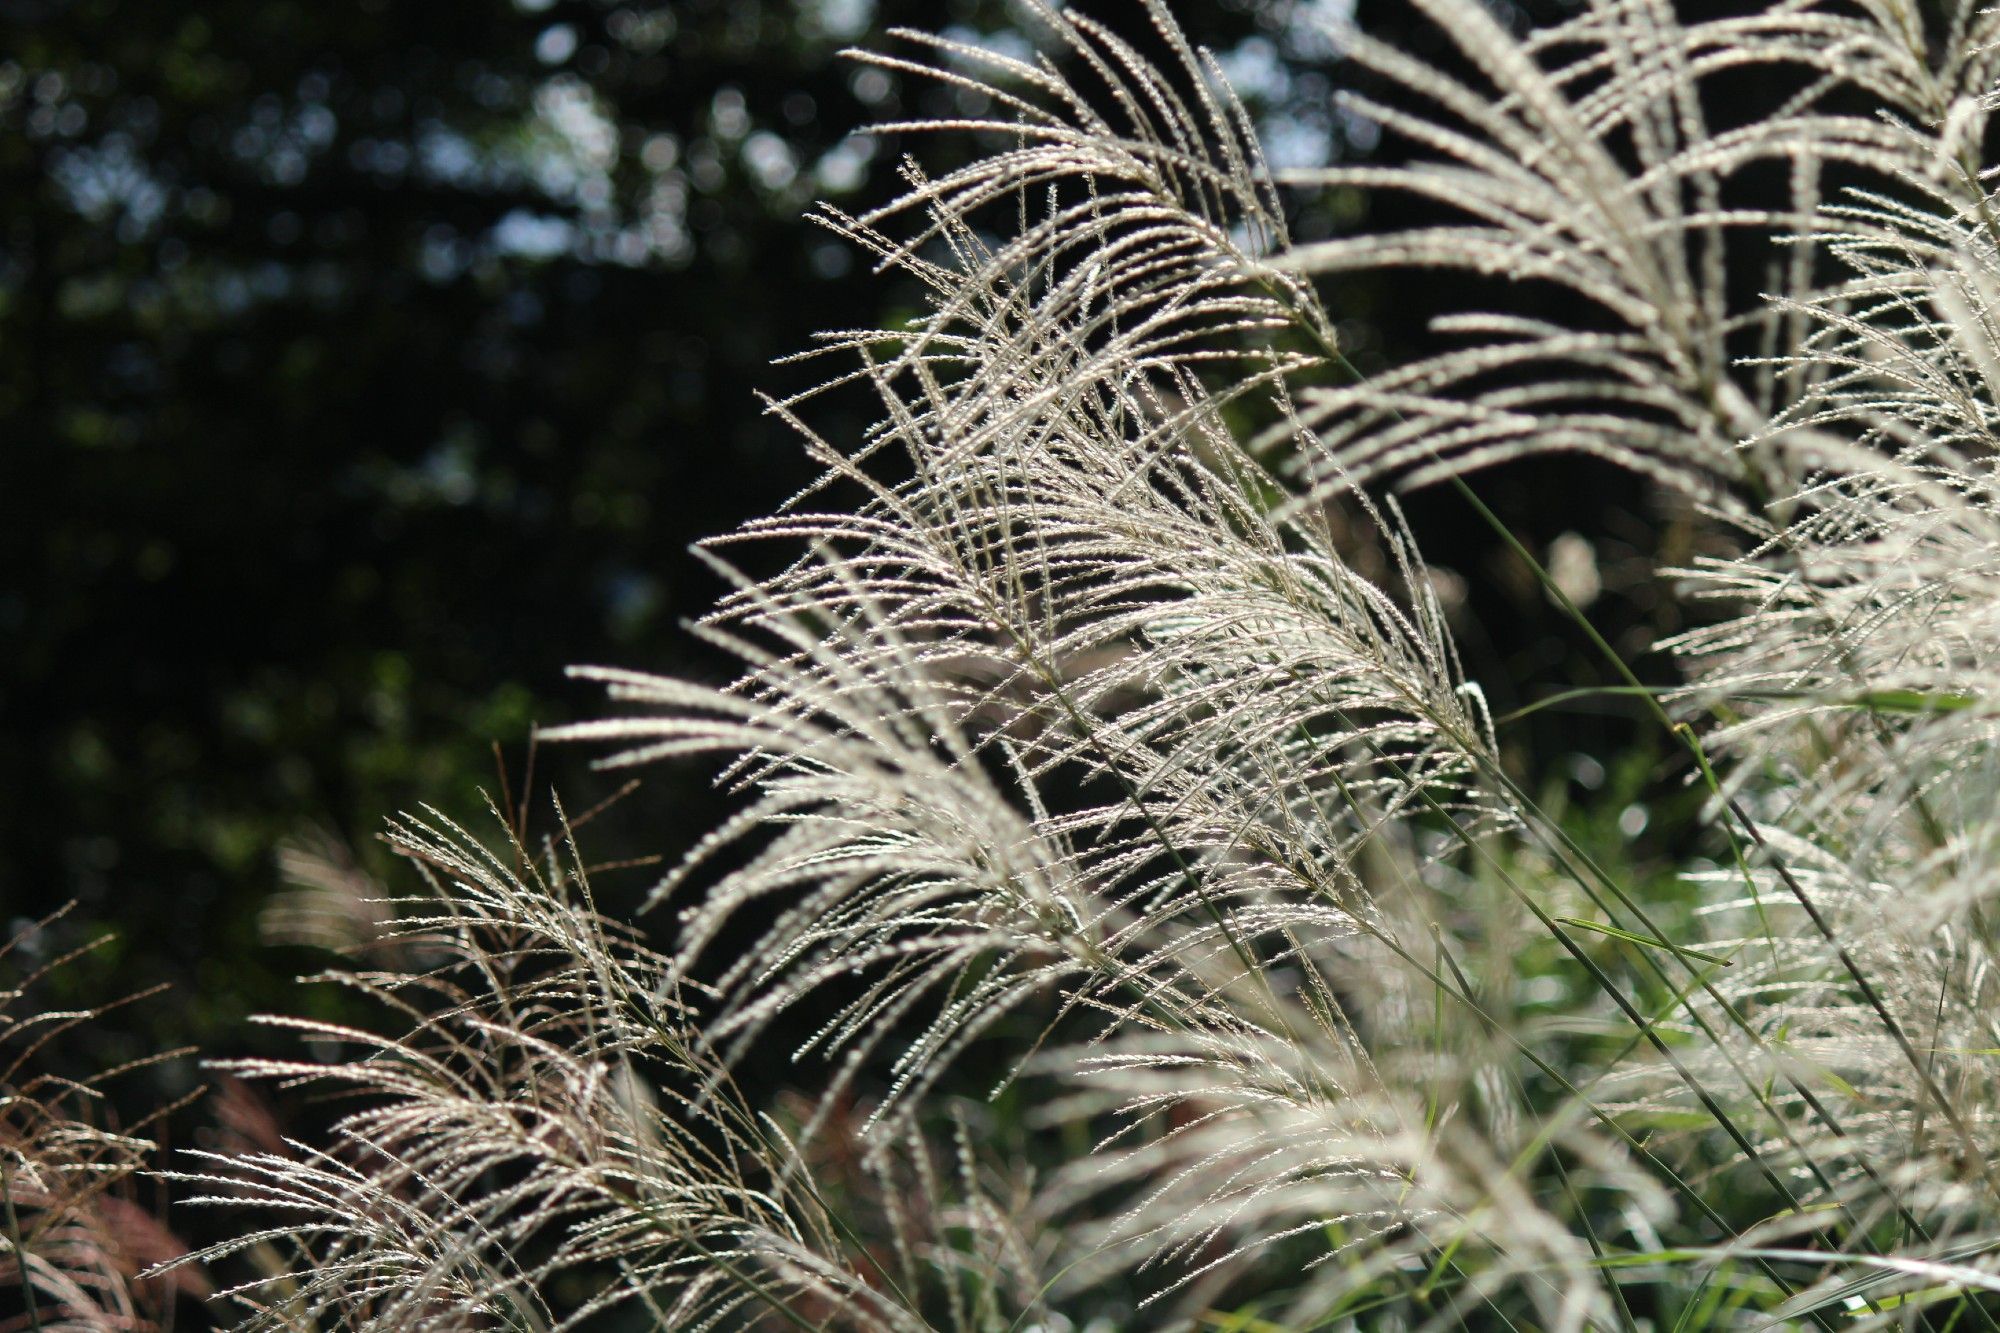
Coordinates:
(362,364)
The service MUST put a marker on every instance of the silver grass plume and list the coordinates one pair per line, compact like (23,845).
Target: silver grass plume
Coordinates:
(73,1239)
(551,1116)
(1584,158)
(1085,707)
(1075,578)
(1858,669)
(1855,455)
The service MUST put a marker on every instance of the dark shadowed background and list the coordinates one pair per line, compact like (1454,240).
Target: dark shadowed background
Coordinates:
(362,364)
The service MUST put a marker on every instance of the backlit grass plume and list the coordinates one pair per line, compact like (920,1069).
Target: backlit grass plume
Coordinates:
(1102,751)
(74,1236)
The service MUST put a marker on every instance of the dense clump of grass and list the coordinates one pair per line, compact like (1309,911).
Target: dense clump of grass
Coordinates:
(1075,739)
